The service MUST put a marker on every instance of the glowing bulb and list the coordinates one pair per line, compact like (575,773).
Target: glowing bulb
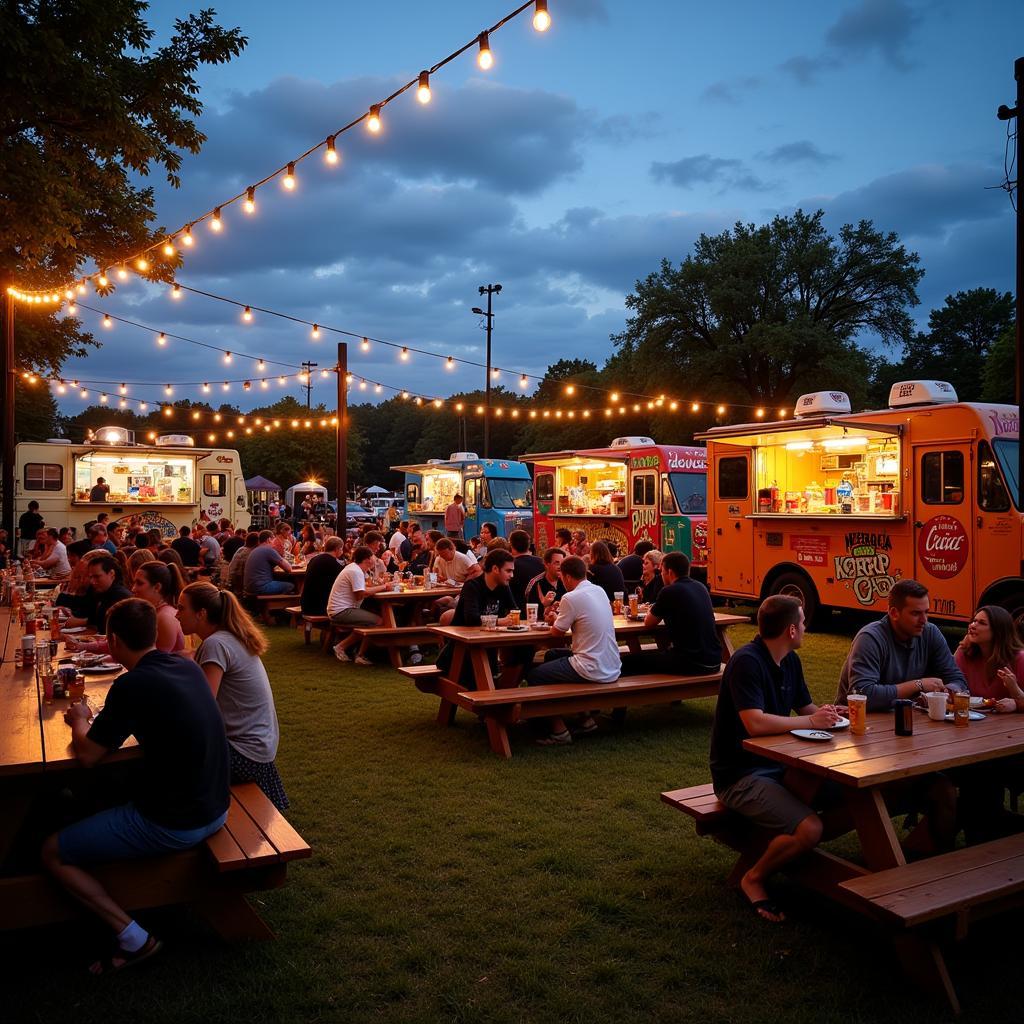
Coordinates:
(362,385)
(250,200)
(289,179)
(485,59)
(324,374)
(161,339)
(123,402)
(405,394)
(247,314)
(437,404)
(316,331)
(405,353)
(541,18)
(143,406)
(721,410)
(107,322)
(226,386)
(123,389)
(227,357)
(281,379)
(168,390)
(450,363)
(495,373)
(613,397)
(378,389)
(176,292)
(61,389)
(423,90)
(331,156)
(264,384)
(142,264)
(260,365)
(695,407)
(103,399)
(122,273)
(206,387)
(168,248)
(81,289)
(759,413)
(212,437)
(186,238)
(216,417)
(72,309)
(83,393)
(103,280)
(523,382)
(366,344)
(215,221)
(373,121)
(570,389)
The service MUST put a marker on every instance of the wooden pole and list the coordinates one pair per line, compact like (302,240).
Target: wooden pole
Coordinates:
(7,385)
(341,468)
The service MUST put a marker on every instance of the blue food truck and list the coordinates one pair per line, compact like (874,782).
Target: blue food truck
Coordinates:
(496,491)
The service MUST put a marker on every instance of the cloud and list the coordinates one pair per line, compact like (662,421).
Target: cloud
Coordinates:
(582,10)
(707,169)
(875,26)
(727,91)
(806,70)
(802,151)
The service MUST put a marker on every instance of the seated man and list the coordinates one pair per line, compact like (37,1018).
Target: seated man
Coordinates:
(451,566)
(594,657)
(321,572)
(258,577)
(897,657)
(347,594)
(527,566)
(763,685)
(55,557)
(685,606)
(105,590)
(166,703)
(236,567)
(545,589)
(187,548)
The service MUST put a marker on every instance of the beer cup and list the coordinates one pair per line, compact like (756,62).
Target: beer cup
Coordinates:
(857,704)
(531,614)
(961,709)
(513,617)
(618,597)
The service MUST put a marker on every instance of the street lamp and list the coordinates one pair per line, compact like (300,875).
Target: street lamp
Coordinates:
(489,290)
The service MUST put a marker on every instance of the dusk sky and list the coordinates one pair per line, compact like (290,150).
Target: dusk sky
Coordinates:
(571,168)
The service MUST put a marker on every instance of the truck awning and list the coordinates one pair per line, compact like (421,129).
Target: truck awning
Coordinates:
(758,435)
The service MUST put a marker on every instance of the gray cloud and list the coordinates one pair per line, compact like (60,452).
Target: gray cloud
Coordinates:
(728,91)
(806,70)
(582,10)
(707,169)
(802,151)
(875,26)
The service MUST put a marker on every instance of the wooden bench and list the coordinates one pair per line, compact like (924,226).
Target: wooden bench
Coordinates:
(249,854)
(424,676)
(394,638)
(270,603)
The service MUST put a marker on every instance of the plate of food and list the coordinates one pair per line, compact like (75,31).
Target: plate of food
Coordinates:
(70,630)
(980,703)
(515,629)
(820,735)
(539,625)
(101,668)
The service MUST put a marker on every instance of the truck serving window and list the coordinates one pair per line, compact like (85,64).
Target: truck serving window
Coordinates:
(691,493)
(137,477)
(942,478)
(44,476)
(992,496)
(733,478)
(545,486)
(1007,453)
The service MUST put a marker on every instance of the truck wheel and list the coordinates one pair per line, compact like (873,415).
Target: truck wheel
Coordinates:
(794,584)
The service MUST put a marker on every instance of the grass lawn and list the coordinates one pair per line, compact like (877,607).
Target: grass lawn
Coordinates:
(449,885)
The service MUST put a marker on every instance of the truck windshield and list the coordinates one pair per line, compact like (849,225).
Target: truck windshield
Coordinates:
(690,490)
(1007,453)
(505,493)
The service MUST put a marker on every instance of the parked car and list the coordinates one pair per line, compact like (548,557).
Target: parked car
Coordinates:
(355,514)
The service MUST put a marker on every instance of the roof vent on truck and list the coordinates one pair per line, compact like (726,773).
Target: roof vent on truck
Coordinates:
(921,392)
(463,457)
(631,442)
(818,403)
(175,441)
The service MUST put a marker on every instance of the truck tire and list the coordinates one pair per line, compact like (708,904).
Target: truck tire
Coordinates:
(795,584)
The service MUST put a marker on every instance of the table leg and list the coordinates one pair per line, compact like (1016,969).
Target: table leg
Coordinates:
(388,619)
(727,647)
(496,731)
(446,710)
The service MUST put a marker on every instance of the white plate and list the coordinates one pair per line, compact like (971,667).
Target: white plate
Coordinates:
(539,625)
(104,669)
(74,629)
(820,735)
(976,716)
(841,723)
(977,702)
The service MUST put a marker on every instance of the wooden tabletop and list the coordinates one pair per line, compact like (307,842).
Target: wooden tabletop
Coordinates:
(880,756)
(417,594)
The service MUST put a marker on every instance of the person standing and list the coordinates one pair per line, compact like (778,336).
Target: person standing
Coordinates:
(29,525)
(100,490)
(455,517)
(187,548)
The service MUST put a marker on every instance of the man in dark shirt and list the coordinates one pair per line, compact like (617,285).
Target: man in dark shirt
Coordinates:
(685,606)
(187,548)
(762,686)
(29,524)
(166,703)
(321,572)
(547,587)
(232,542)
(105,590)
(632,566)
(526,566)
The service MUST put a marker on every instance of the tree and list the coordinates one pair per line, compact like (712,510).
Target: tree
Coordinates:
(767,312)
(88,108)
(999,378)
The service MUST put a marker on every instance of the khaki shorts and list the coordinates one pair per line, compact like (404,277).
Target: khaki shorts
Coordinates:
(764,800)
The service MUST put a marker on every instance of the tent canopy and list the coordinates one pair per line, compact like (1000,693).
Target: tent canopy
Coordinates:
(261,483)
(376,490)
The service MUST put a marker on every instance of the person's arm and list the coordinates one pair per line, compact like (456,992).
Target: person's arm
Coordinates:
(866,676)
(166,633)
(214,674)
(651,620)
(88,751)
(759,723)
(283,563)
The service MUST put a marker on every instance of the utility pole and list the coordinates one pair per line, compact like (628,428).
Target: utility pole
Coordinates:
(341,448)
(309,368)
(7,385)
(489,290)
(1004,113)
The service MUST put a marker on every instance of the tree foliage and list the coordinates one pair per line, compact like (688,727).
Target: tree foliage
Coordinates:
(767,312)
(86,107)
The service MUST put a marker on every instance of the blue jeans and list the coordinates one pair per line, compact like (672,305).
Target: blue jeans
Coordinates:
(123,833)
(556,669)
(276,587)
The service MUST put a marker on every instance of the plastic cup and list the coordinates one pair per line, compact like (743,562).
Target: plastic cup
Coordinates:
(531,613)
(858,707)
(961,709)
(617,599)
(489,622)
(936,705)
(513,617)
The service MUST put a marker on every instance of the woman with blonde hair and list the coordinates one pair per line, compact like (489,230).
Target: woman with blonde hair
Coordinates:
(137,558)
(229,655)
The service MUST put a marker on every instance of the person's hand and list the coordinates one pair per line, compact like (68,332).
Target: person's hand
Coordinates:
(932,684)
(1009,679)
(548,599)
(840,709)
(77,712)
(73,645)
(1005,706)
(824,718)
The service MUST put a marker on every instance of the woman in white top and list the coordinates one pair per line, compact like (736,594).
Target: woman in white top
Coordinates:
(229,656)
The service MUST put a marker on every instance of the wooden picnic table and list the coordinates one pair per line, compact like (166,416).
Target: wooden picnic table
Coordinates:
(864,766)
(416,600)
(474,643)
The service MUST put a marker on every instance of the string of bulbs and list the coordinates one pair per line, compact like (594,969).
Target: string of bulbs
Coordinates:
(141,262)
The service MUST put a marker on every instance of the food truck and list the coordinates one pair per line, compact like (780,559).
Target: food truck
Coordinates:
(496,491)
(631,490)
(167,484)
(835,507)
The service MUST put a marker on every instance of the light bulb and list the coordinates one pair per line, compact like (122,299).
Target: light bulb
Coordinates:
(260,365)
(348,378)
(143,406)
(61,389)
(450,363)
(405,353)
(227,357)
(206,387)
(570,389)
(721,410)
(103,280)
(694,407)
(541,18)
(759,413)
(405,394)
(247,314)
(362,385)
(373,121)
(161,339)
(281,379)
(81,289)
(378,389)
(122,273)
(264,384)
(107,322)
(123,402)
(168,248)
(366,344)
(186,238)
(289,179)
(316,331)
(324,374)
(485,58)
(250,200)
(103,399)
(495,373)
(423,89)
(523,382)
(72,309)
(123,389)
(215,221)
(142,264)
(83,393)
(226,386)
(613,397)
(168,390)
(331,156)
(176,291)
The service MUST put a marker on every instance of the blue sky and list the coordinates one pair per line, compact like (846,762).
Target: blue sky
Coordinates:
(570,169)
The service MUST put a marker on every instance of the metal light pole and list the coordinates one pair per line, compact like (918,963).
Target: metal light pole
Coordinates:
(1005,114)
(489,290)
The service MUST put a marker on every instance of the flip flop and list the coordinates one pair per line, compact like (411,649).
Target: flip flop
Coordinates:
(106,965)
(767,905)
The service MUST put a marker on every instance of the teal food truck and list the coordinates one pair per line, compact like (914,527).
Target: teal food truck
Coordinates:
(496,491)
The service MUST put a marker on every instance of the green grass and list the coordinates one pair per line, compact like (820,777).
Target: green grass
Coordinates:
(449,885)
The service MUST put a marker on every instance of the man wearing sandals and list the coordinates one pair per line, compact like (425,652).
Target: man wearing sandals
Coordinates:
(184,789)
(762,686)
(594,657)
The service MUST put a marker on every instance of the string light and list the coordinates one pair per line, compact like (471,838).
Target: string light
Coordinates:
(103,399)
(541,18)
(103,280)
(161,339)
(373,119)
(365,345)
(289,178)
(142,263)
(485,59)
(215,221)
(613,397)
(176,291)
(570,389)
(260,365)
(523,381)
(405,354)
(107,322)
(123,389)
(186,238)
(423,88)
(721,410)
(331,156)
(206,387)
(72,309)
(450,363)
(122,272)
(250,200)
(247,314)
(315,332)
(264,384)
(227,357)
(168,390)
(169,249)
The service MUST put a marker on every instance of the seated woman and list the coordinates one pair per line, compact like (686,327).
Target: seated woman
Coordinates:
(991,657)
(76,594)
(308,542)
(651,582)
(603,570)
(229,655)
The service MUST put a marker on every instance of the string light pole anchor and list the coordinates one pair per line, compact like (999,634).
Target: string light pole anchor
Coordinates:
(490,290)
(308,385)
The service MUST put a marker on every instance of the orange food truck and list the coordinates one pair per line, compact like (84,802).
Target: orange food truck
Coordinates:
(631,490)
(834,507)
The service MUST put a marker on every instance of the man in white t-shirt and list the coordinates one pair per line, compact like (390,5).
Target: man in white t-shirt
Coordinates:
(55,558)
(346,597)
(594,658)
(451,566)
(398,538)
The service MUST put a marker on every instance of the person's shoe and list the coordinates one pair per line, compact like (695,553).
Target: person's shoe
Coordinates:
(416,658)
(360,660)
(555,739)
(340,653)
